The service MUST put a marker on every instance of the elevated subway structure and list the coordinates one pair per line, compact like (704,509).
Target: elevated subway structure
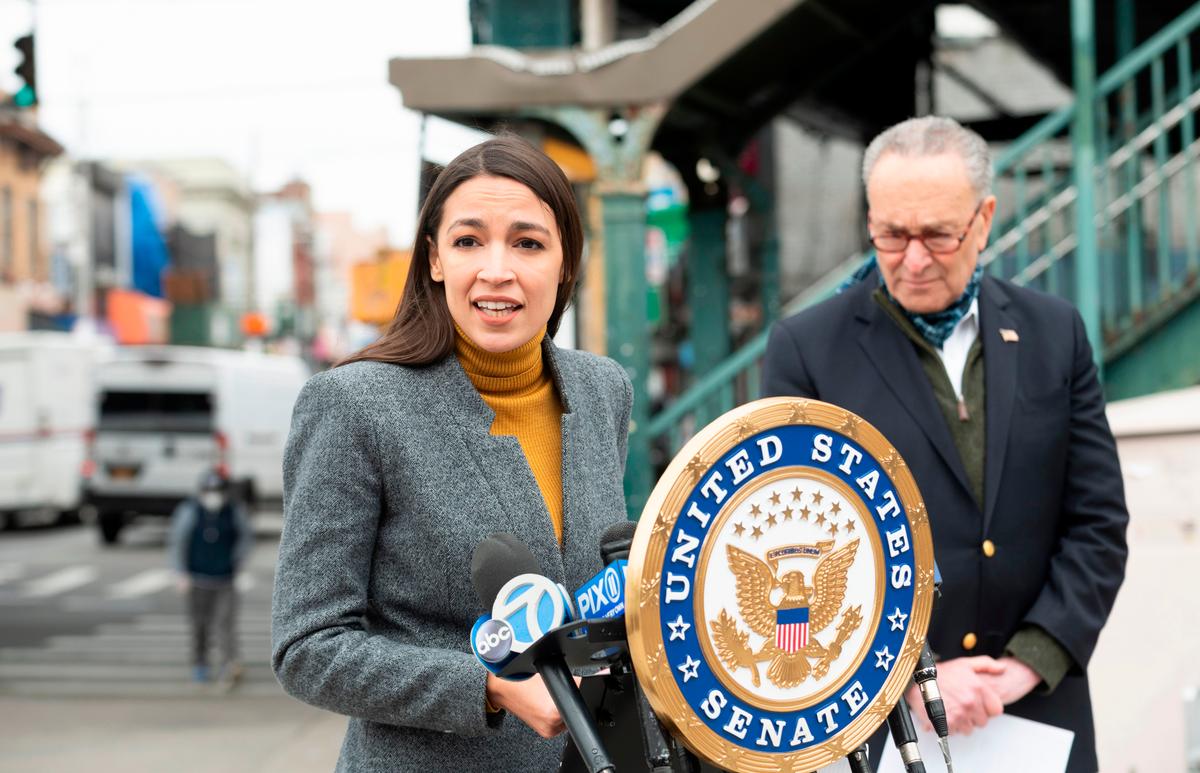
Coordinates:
(698,82)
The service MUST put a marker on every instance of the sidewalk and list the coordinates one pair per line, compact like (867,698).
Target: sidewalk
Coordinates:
(231,734)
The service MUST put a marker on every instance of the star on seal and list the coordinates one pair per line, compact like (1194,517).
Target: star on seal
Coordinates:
(690,669)
(679,628)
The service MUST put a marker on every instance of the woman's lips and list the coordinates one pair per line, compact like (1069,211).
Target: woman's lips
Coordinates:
(496,316)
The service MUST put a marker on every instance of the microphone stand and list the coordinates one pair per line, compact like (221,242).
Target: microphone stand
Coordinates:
(575,714)
(664,753)
(578,643)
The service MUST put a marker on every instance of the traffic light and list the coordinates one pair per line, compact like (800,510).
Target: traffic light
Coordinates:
(27,96)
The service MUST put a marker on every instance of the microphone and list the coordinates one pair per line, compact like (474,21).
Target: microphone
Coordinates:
(926,679)
(532,606)
(616,541)
(525,605)
(905,736)
(859,760)
(603,596)
(496,560)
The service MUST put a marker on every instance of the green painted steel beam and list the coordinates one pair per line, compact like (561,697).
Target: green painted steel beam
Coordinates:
(525,24)
(1114,78)
(708,292)
(618,159)
(626,327)
(1083,162)
(1134,350)
(1188,136)
(1166,357)
(770,281)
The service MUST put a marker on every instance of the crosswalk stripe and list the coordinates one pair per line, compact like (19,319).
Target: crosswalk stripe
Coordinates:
(140,641)
(103,672)
(141,584)
(178,655)
(245,625)
(35,688)
(10,572)
(60,581)
(145,655)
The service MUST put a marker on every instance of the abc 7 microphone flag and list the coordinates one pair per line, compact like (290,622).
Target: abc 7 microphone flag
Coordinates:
(527,607)
(779,587)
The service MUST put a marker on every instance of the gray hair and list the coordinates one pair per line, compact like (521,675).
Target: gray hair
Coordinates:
(930,136)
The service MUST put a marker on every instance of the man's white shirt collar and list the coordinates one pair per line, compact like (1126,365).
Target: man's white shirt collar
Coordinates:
(958,345)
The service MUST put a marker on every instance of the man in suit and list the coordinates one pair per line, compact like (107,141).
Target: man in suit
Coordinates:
(990,393)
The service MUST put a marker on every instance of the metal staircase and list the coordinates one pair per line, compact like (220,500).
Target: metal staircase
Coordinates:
(1134,278)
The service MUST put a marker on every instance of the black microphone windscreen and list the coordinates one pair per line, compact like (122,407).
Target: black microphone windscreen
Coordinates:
(496,560)
(615,541)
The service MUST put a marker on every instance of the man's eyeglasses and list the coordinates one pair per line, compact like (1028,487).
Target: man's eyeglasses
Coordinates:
(934,242)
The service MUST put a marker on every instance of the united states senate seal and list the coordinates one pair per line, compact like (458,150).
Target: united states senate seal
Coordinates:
(780,584)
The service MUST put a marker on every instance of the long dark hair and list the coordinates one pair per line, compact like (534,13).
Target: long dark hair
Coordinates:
(422,332)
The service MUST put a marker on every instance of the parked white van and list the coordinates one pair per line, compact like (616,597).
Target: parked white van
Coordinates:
(166,414)
(46,410)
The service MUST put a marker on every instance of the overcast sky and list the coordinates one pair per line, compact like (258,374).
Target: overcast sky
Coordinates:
(277,87)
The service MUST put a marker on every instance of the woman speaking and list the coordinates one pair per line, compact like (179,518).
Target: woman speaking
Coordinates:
(463,420)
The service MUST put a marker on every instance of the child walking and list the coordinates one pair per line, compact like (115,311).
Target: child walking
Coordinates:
(209,541)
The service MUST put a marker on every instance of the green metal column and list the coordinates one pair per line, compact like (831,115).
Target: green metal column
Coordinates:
(771,283)
(1083,140)
(1126,37)
(708,291)
(626,326)
(618,158)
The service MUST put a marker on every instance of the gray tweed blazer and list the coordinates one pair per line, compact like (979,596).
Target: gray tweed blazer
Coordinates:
(391,479)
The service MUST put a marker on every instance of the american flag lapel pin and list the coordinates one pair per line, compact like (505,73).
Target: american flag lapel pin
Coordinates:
(1009,336)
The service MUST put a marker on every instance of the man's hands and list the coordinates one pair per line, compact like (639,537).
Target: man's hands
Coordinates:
(1015,682)
(529,701)
(975,689)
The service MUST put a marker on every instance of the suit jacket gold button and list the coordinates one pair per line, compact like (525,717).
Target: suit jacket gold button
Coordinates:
(989,548)
(969,641)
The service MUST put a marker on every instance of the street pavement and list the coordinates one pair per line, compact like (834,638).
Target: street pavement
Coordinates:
(95,664)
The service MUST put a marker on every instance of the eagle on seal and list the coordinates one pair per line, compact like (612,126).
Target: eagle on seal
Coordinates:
(756,584)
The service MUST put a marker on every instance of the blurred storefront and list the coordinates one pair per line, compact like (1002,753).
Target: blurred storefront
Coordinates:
(26,290)
(376,286)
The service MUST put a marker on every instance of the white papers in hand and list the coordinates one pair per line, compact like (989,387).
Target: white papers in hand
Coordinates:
(1005,744)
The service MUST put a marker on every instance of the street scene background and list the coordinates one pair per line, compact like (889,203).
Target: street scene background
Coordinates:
(231,188)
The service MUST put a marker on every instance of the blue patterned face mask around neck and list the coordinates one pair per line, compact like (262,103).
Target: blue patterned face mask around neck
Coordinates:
(935,327)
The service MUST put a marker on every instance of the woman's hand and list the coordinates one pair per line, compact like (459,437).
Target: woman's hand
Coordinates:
(529,701)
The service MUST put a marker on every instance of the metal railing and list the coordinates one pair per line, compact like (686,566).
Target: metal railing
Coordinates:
(1145,184)
(1145,173)
(737,379)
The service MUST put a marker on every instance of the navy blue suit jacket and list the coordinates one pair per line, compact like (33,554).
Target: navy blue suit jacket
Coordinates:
(1054,502)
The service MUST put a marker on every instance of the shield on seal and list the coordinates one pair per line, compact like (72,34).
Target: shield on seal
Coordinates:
(791,629)
(779,586)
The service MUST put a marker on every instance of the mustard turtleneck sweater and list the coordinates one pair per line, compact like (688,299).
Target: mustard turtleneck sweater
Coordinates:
(518,387)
